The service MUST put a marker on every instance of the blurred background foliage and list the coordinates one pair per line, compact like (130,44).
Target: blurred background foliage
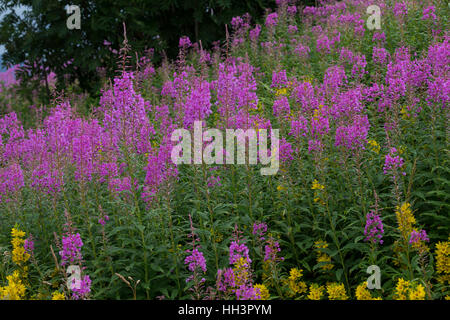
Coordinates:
(38,33)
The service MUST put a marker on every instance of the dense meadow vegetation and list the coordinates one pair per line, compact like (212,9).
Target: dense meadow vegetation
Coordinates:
(363,179)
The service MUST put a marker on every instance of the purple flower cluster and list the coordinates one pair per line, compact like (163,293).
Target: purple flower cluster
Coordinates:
(271,250)
(271,20)
(184,42)
(237,251)
(83,289)
(71,249)
(281,107)
(195,260)
(213,181)
(254,33)
(393,162)
(353,136)
(417,236)
(11,181)
(279,79)
(302,51)
(429,13)
(102,220)
(29,245)
(247,293)
(400,9)
(374,228)
(225,279)
(259,229)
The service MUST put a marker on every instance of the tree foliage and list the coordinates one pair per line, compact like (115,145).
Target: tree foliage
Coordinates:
(40,36)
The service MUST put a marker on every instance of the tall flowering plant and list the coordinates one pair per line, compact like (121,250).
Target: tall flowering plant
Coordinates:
(196,264)
(79,284)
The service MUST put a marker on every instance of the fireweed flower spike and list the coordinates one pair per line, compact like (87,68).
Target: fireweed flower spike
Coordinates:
(418,239)
(259,229)
(71,249)
(196,265)
(374,228)
(393,162)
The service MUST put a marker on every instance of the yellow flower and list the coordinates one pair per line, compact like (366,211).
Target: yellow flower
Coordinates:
(281,92)
(317,186)
(308,79)
(322,256)
(417,293)
(263,291)
(260,107)
(336,291)
(374,146)
(295,274)
(155,144)
(295,286)
(317,112)
(15,290)
(319,200)
(405,220)
(315,292)
(405,113)
(19,255)
(443,261)
(401,289)
(17,233)
(362,293)
(406,290)
(280,188)
(241,272)
(56,295)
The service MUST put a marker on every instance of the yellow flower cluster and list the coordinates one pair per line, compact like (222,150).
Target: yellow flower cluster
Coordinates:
(406,290)
(281,92)
(405,220)
(362,293)
(308,79)
(317,112)
(374,146)
(58,296)
(294,284)
(19,256)
(322,256)
(405,113)
(263,291)
(336,291)
(315,292)
(15,290)
(241,272)
(317,187)
(443,261)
